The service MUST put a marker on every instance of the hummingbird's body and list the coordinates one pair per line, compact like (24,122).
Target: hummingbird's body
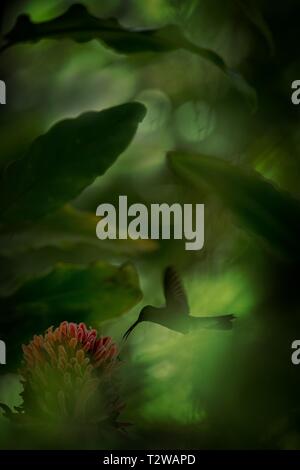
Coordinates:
(175,314)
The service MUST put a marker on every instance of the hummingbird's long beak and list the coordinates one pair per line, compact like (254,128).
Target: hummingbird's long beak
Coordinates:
(130,330)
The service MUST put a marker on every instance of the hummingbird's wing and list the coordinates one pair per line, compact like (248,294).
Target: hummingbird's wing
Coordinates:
(175,295)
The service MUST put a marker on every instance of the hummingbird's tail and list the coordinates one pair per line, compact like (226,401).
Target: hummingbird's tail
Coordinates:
(220,322)
(225,322)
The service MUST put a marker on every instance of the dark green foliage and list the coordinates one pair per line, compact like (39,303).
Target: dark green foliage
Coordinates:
(80,26)
(61,163)
(77,24)
(255,16)
(260,207)
(77,291)
(95,293)
(238,389)
(55,169)
(64,229)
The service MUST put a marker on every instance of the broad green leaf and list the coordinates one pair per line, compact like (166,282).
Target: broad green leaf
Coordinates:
(66,229)
(260,207)
(16,268)
(91,294)
(67,236)
(79,25)
(99,292)
(61,163)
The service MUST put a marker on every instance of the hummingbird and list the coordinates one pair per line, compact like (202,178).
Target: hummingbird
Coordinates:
(175,313)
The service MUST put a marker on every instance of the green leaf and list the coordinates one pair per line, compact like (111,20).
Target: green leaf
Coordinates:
(96,293)
(65,229)
(61,163)
(17,131)
(67,236)
(80,26)
(91,294)
(264,210)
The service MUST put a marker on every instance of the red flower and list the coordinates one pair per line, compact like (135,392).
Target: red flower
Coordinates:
(70,344)
(69,375)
